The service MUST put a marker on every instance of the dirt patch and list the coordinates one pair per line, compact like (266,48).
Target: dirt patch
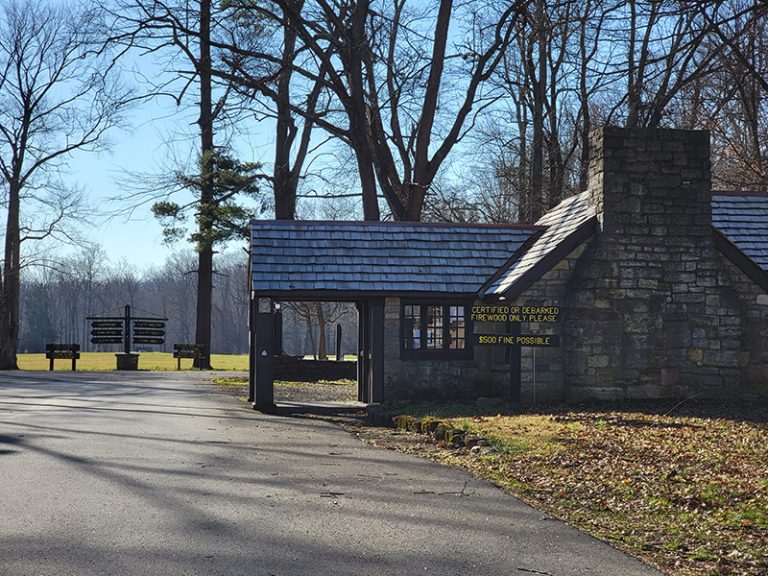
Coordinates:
(301,392)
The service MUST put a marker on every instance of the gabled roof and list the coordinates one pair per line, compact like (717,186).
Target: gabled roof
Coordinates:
(743,219)
(302,257)
(568,224)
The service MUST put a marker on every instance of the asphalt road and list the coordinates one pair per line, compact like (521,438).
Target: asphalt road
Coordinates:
(153,474)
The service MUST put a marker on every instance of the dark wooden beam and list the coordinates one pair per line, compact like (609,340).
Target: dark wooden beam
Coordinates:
(363,351)
(278,333)
(515,367)
(739,259)
(377,351)
(356,296)
(264,352)
(251,348)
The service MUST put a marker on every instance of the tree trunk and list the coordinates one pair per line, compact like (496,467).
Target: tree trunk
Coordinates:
(205,258)
(310,334)
(358,112)
(537,153)
(9,296)
(422,173)
(284,183)
(322,344)
(367,174)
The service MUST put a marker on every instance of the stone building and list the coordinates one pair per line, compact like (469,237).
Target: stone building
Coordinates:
(653,285)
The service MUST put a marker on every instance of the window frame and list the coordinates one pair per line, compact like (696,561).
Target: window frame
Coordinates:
(444,352)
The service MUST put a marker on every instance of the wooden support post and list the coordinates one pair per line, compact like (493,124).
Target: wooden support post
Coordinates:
(515,367)
(50,364)
(127,330)
(251,348)
(339,356)
(263,393)
(377,351)
(363,351)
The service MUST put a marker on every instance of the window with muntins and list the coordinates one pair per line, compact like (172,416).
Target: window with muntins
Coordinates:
(431,330)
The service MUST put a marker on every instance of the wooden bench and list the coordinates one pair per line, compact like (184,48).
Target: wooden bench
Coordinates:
(62,352)
(193,351)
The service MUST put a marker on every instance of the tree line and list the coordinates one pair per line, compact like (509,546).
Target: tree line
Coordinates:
(444,110)
(57,301)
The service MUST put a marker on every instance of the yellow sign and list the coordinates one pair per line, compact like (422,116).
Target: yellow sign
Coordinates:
(505,313)
(543,340)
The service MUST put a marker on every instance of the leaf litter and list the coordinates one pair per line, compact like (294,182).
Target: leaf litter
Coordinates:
(685,492)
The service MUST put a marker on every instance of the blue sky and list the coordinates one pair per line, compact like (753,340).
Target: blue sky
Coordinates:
(140,148)
(138,241)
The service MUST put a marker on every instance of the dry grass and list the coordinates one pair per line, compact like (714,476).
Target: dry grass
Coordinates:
(105,361)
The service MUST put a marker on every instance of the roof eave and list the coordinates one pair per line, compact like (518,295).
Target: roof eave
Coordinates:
(568,244)
(329,295)
(739,259)
(524,247)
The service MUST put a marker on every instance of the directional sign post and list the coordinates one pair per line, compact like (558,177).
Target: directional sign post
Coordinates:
(149,324)
(125,330)
(107,324)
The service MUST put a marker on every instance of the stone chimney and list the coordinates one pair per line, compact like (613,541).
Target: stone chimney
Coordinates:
(637,314)
(651,184)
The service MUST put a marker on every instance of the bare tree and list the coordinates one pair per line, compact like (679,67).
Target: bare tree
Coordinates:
(320,314)
(733,101)
(251,58)
(57,97)
(396,92)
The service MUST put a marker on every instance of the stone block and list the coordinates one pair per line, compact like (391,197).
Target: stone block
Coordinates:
(695,354)
(598,361)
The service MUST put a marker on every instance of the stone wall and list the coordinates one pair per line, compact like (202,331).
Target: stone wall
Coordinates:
(649,307)
(542,369)
(447,380)
(487,373)
(654,310)
(744,334)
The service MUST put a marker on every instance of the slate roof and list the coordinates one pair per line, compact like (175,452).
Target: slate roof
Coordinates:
(568,224)
(364,257)
(743,219)
(487,260)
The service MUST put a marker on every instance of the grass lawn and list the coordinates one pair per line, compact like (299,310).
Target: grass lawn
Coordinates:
(105,361)
(688,493)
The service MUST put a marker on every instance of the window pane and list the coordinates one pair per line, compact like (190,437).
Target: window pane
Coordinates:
(456,328)
(411,326)
(434,326)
